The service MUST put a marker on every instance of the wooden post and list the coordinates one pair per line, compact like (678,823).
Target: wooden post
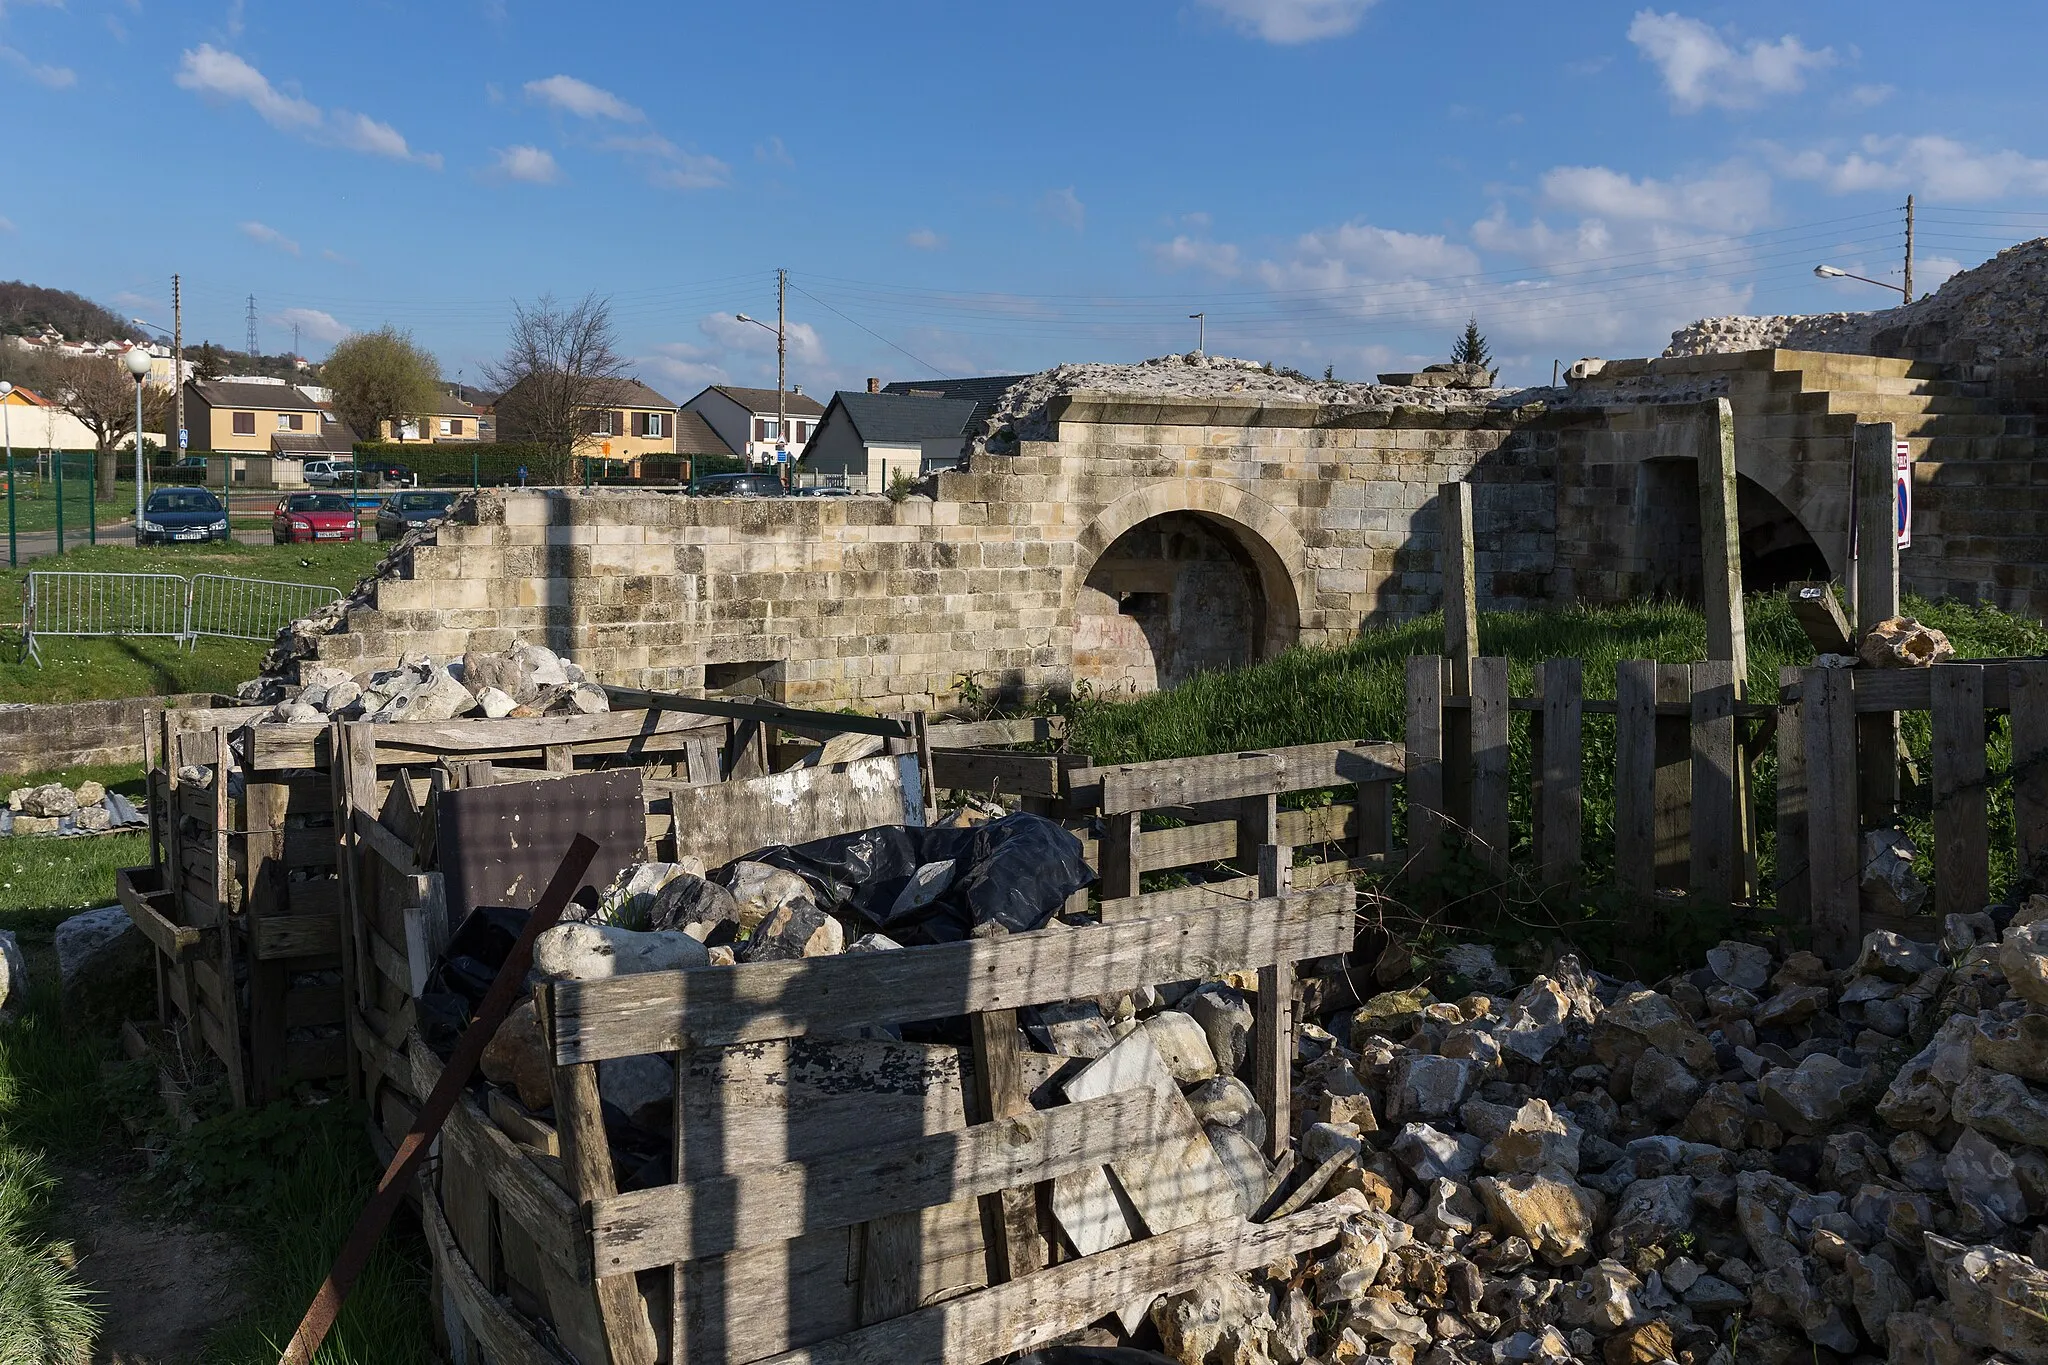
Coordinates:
(1461,643)
(587,1160)
(1792,876)
(354,749)
(1721,537)
(1273,1023)
(2029,709)
(1258,824)
(1674,780)
(1828,717)
(1489,735)
(224,906)
(1119,856)
(1962,855)
(1877,599)
(1560,791)
(1716,866)
(1635,785)
(1009,1218)
(265,805)
(1425,766)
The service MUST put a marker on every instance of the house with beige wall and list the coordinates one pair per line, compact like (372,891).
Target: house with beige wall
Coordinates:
(866,439)
(636,424)
(452,421)
(236,416)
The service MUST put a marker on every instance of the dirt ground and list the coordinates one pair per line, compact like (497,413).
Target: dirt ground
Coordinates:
(165,1287)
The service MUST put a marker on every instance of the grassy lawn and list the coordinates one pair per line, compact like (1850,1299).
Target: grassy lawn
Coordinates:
(286,1180)
(79,669)
(39,512)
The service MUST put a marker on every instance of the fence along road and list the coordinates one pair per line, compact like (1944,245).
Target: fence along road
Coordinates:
(168,606)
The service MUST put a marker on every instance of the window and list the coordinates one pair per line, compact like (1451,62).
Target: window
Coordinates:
(447,427)
(760,429)
(297,420)
(772,428)
(245,424)
(654,424)
(603,425)
(453,426)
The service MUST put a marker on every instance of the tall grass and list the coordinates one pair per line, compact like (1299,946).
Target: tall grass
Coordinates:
(1358,691)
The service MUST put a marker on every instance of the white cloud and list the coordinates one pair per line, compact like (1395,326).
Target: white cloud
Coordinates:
(55,77)
(727,333)
(1292,21)
(128,298)
(330,254)
(7,225)
(1732,198)
(1356,253)
(773,153)
(312,324)
(582,99)
(1938,168)
(1701,68)
(923,239)
(669,166)
(1869,96)
(1064,207)
(221,76)
(1198,253)
(534,165)
(269,236)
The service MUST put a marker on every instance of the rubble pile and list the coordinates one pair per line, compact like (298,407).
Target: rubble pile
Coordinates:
(1997,311)
(54,808)
(525,680)
(1021,414)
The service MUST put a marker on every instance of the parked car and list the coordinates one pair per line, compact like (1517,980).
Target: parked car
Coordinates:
(181,514)
(314,516)
(401,512)
(389,473)
(739,486)
(825,491)
(329,473)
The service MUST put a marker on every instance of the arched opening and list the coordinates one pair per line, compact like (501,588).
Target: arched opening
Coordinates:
(1776,548)
(1175,595)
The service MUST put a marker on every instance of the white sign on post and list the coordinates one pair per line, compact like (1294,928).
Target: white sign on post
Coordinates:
(1902,493)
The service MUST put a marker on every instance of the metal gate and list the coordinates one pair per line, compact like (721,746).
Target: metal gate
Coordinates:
(59,602)
(62,602)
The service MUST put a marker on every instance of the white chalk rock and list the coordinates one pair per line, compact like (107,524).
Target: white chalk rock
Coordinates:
(594,952)
(496,704)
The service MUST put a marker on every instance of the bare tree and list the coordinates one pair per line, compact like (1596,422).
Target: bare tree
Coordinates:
(561,369)
(100,393)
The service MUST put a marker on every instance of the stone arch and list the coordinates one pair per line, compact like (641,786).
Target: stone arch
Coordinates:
(1778,546)
(1193,536)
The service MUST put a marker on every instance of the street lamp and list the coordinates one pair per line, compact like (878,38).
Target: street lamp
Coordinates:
(1829,272)
(138,365)
(781,355)
(1201,321)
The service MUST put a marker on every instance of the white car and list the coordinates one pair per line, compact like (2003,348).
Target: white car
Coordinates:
(328,473)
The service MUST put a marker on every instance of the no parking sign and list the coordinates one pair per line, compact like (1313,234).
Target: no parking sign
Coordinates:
(1902,493)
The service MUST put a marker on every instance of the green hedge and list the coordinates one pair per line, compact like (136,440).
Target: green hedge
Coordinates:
(499,462)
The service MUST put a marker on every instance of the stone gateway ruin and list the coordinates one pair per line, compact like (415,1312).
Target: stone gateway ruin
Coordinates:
(1139,535)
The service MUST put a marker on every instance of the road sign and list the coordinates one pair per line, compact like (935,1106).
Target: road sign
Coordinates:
(1902,493)
(184,438)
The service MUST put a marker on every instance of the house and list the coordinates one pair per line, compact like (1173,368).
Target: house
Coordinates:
(638,423)
(866,439)
(745,419)
(453,420)
(694,440)
(244,416)
(34,423)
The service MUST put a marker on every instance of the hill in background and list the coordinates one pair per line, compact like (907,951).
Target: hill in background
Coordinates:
(27,307)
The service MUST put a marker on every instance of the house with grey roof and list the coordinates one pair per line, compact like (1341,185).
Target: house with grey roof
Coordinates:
(746,420)
(865,439)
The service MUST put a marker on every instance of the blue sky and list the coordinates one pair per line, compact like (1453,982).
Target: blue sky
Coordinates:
(982,188)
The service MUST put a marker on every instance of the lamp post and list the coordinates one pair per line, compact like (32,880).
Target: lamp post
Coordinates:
(1201,321)
(7,435)
(781,330)
(138,365)
(1829,272)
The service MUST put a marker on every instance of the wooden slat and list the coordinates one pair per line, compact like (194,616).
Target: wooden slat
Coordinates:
(320,896)
(1424,764)
(1962,859)
(712,1006)
(1004,774)
(586,1156)
(759,712)
(1489,716)
(1009,1212)
(1030,1312)
(717,1215)
(281,936)
(1223,777)
(1560,787)
(1828,717)
(393,850)
(1673,818)
(1907,689)
(728,819)
(1119,866)
(1635,785)
(307,746)
(506,1338)
(1827,628)
(2029,686)
(1793,877)
(1272,1040)
(980,734)
(174,941)
(1721,536)
(1874,580)
(1715,865)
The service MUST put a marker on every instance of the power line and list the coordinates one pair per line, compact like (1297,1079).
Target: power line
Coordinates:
(871,332)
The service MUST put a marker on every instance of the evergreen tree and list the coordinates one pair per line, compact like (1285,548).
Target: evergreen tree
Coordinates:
(1470,349)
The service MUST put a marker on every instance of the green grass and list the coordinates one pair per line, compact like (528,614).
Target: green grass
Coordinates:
(39,512)
(90,669)
(1357,691)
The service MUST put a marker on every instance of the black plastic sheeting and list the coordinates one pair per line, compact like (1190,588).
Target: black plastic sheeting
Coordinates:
(1015,873)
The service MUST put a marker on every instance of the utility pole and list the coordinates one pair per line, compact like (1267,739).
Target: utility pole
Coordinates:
(252,329)
(781,362)
(1909,248)
(177,364)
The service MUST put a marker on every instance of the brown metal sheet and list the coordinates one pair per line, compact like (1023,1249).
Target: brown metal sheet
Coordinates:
(497,845)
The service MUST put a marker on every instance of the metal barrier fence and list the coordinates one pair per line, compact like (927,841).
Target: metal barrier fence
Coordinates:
(167,606)
(249,608)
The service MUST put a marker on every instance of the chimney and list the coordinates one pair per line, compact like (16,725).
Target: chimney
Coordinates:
(874,385)
(797,390)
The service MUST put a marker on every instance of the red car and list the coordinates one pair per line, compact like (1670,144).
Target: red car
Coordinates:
(314,516)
